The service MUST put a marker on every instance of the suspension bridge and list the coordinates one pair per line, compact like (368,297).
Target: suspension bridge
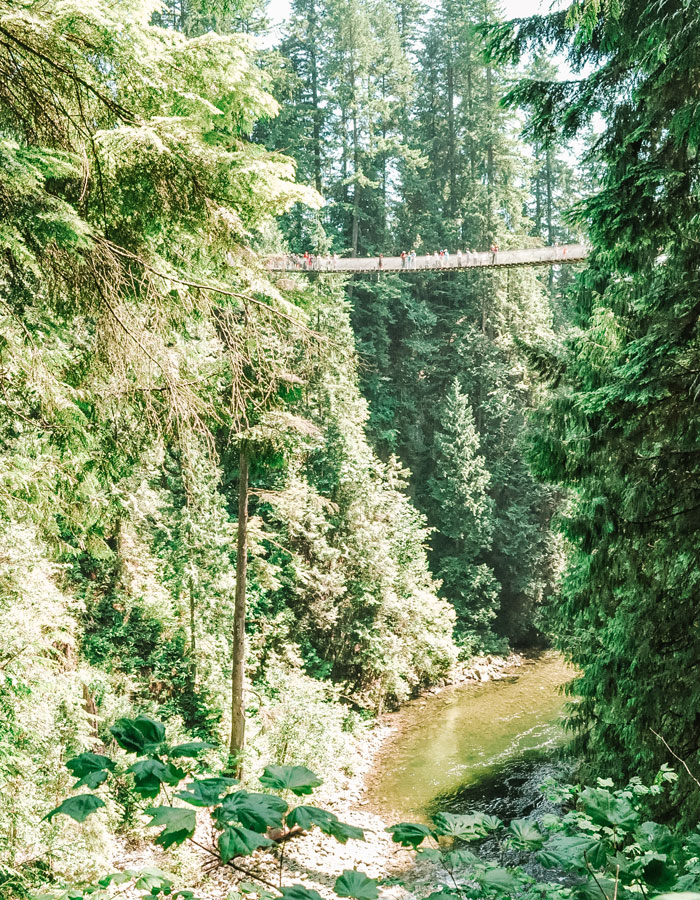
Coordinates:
(563,254)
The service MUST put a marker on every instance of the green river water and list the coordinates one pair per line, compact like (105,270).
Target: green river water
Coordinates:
(487,746)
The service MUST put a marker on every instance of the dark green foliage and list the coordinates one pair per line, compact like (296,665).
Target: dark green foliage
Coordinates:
(299,892)
(235,840)
(206,791)
(179,824)
(620,427)
(240,819)
(258,812)
(600,846)
(597,850)
(357,885)
(151,774)
(139,735)
(525,835)
(78,808)
(297,779)
(190,749)
(409,835)
(465,827)
(416,151)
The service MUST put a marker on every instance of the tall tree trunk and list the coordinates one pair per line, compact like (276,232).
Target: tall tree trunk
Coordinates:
(356,193)
(538,193)
(356,164)
(313,61)
(193,636)
(489,155)
(550,205)
(236,744)
(452,134)
(384,158)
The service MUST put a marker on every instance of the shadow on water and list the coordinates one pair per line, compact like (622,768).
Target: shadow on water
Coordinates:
(511,790)
(481,747)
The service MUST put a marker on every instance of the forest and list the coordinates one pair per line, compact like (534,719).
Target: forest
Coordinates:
(263,531)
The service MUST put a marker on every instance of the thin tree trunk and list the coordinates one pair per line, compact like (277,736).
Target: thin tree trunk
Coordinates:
(237,741)
(193,636)
(489,155)
(313,39)
(538,193)
(355,152)
(550,216)
(356,193)
(452,135)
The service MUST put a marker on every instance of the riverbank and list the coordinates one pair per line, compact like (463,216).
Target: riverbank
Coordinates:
(316,860)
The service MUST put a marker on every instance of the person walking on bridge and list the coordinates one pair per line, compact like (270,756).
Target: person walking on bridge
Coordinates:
(380,261)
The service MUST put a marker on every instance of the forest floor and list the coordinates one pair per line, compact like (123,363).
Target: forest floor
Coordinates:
(316,860)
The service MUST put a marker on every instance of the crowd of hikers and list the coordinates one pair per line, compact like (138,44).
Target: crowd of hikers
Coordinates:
(440,259)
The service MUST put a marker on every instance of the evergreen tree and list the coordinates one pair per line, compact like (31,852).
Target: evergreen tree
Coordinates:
(621,425)
(463,512)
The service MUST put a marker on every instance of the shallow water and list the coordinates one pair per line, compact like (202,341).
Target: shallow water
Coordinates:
(486,746)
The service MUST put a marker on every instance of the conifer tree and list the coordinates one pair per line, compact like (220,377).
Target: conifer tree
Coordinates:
(621,425)
(462,512)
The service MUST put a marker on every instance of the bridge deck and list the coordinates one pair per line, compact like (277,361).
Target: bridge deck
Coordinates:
(535,256)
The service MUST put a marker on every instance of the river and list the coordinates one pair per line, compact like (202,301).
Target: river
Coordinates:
(487,746)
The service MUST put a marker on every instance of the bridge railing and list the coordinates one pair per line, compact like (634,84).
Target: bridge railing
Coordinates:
(533,256)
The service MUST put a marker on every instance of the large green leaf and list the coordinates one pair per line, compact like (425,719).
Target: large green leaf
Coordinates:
(357,885)
(153,880)
(343,832)
(237,841)
(92,780)
(299,892)
(128,736)
(297,779)
(255,811)
(460,857)
(190,749)
(206,791)
(116,878)
(525,835)
(85,763)
(606,809)
(151,774)
(179,824)
(599,888)
(139,735)
(78,808)
(572,852)
(502,881)
(91,769)
(409,834)
(444,894)
(307,816)
(466,827)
